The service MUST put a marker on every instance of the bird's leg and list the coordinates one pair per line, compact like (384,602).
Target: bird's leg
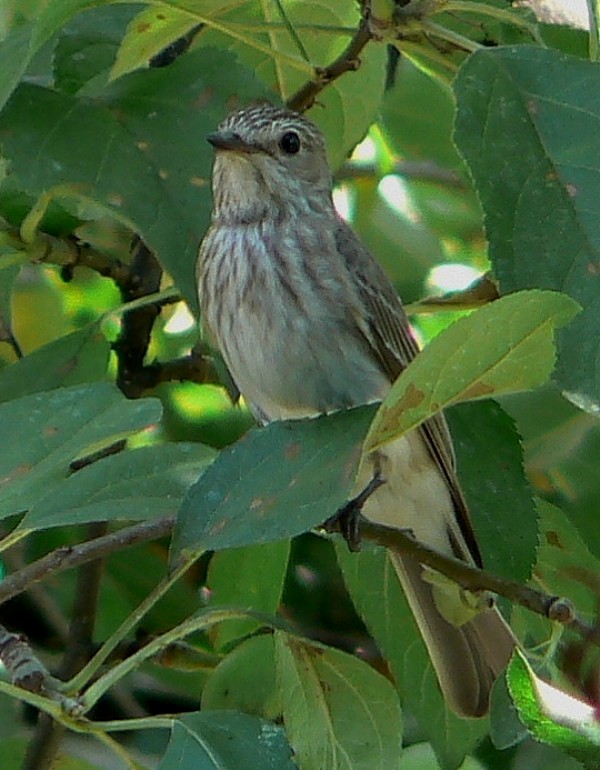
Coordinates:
(346,520)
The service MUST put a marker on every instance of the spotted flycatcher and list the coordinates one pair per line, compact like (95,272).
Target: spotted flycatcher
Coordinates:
(308,323)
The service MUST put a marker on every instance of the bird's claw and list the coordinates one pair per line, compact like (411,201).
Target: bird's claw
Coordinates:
(347,519)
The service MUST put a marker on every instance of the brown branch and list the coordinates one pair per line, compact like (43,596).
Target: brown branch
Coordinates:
(22,666)
(69,253)
(193,368)
(348,60)
(472,578)
(133,342)
(68,557)
(421,171)
(43,603)
(48,734)
(6,335)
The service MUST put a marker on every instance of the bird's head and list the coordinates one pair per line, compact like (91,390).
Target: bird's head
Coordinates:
(270,161)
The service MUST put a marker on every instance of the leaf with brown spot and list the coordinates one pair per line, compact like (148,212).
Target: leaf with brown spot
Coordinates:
(275,483)
(36,454)
(501,348)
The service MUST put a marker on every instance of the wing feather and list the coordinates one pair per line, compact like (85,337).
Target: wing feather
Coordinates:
(394,346)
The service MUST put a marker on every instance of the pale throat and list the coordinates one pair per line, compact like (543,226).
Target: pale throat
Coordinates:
(245,192)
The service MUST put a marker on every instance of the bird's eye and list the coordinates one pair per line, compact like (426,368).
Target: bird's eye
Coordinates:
(290,142)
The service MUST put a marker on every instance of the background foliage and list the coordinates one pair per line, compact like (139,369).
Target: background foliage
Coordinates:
(481,131)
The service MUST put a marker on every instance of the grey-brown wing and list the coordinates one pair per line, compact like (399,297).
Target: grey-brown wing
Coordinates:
(395,346)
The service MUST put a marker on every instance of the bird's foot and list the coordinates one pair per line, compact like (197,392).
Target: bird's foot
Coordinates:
(348,518)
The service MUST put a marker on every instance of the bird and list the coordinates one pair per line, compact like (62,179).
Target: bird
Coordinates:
(308,323)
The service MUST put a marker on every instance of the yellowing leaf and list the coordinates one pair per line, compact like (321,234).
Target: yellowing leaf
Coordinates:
(501,348)
(339,713)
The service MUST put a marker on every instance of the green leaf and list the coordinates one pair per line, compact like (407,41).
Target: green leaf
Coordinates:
(14,750)
(565,565)
(506,729)
(151,31)
(503,347)
(250,577)
(379,600)
(417,117)
(117,154)
(339,713)
(274,483)
(87,45)
(44,432)
(554,717)
(139,484)
(529,130)
(33,25)
(490,469)
(79,357)
(562,445)
(226,740)
(245,680)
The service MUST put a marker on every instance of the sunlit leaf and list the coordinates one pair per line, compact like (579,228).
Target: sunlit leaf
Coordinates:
(339,713)
(553,716)
(503,347)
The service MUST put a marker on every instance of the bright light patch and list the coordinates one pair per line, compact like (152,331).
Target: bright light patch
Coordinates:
(452,277)
(365,152)
(562,707)
(342,200)
(180,321)
(394,191)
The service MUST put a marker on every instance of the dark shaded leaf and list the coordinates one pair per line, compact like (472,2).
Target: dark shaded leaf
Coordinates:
(226,740)
(275,483)
(44,432)
(528,125)
(118,155)
(144,483)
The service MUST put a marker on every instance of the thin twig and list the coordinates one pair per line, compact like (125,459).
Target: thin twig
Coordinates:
(44,605)
(469,577)
(421,171)
(69,253)
(474,579)
(68,557)
(349,60)
(48,733)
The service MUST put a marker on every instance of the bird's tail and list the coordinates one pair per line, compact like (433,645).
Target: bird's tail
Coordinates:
(467,658)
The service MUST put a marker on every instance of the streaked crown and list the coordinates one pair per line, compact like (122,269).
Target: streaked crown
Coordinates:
(270,161)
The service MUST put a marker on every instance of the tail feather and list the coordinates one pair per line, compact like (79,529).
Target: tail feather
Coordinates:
(467,659)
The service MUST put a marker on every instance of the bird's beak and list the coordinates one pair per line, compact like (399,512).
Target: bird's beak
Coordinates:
(229,140)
